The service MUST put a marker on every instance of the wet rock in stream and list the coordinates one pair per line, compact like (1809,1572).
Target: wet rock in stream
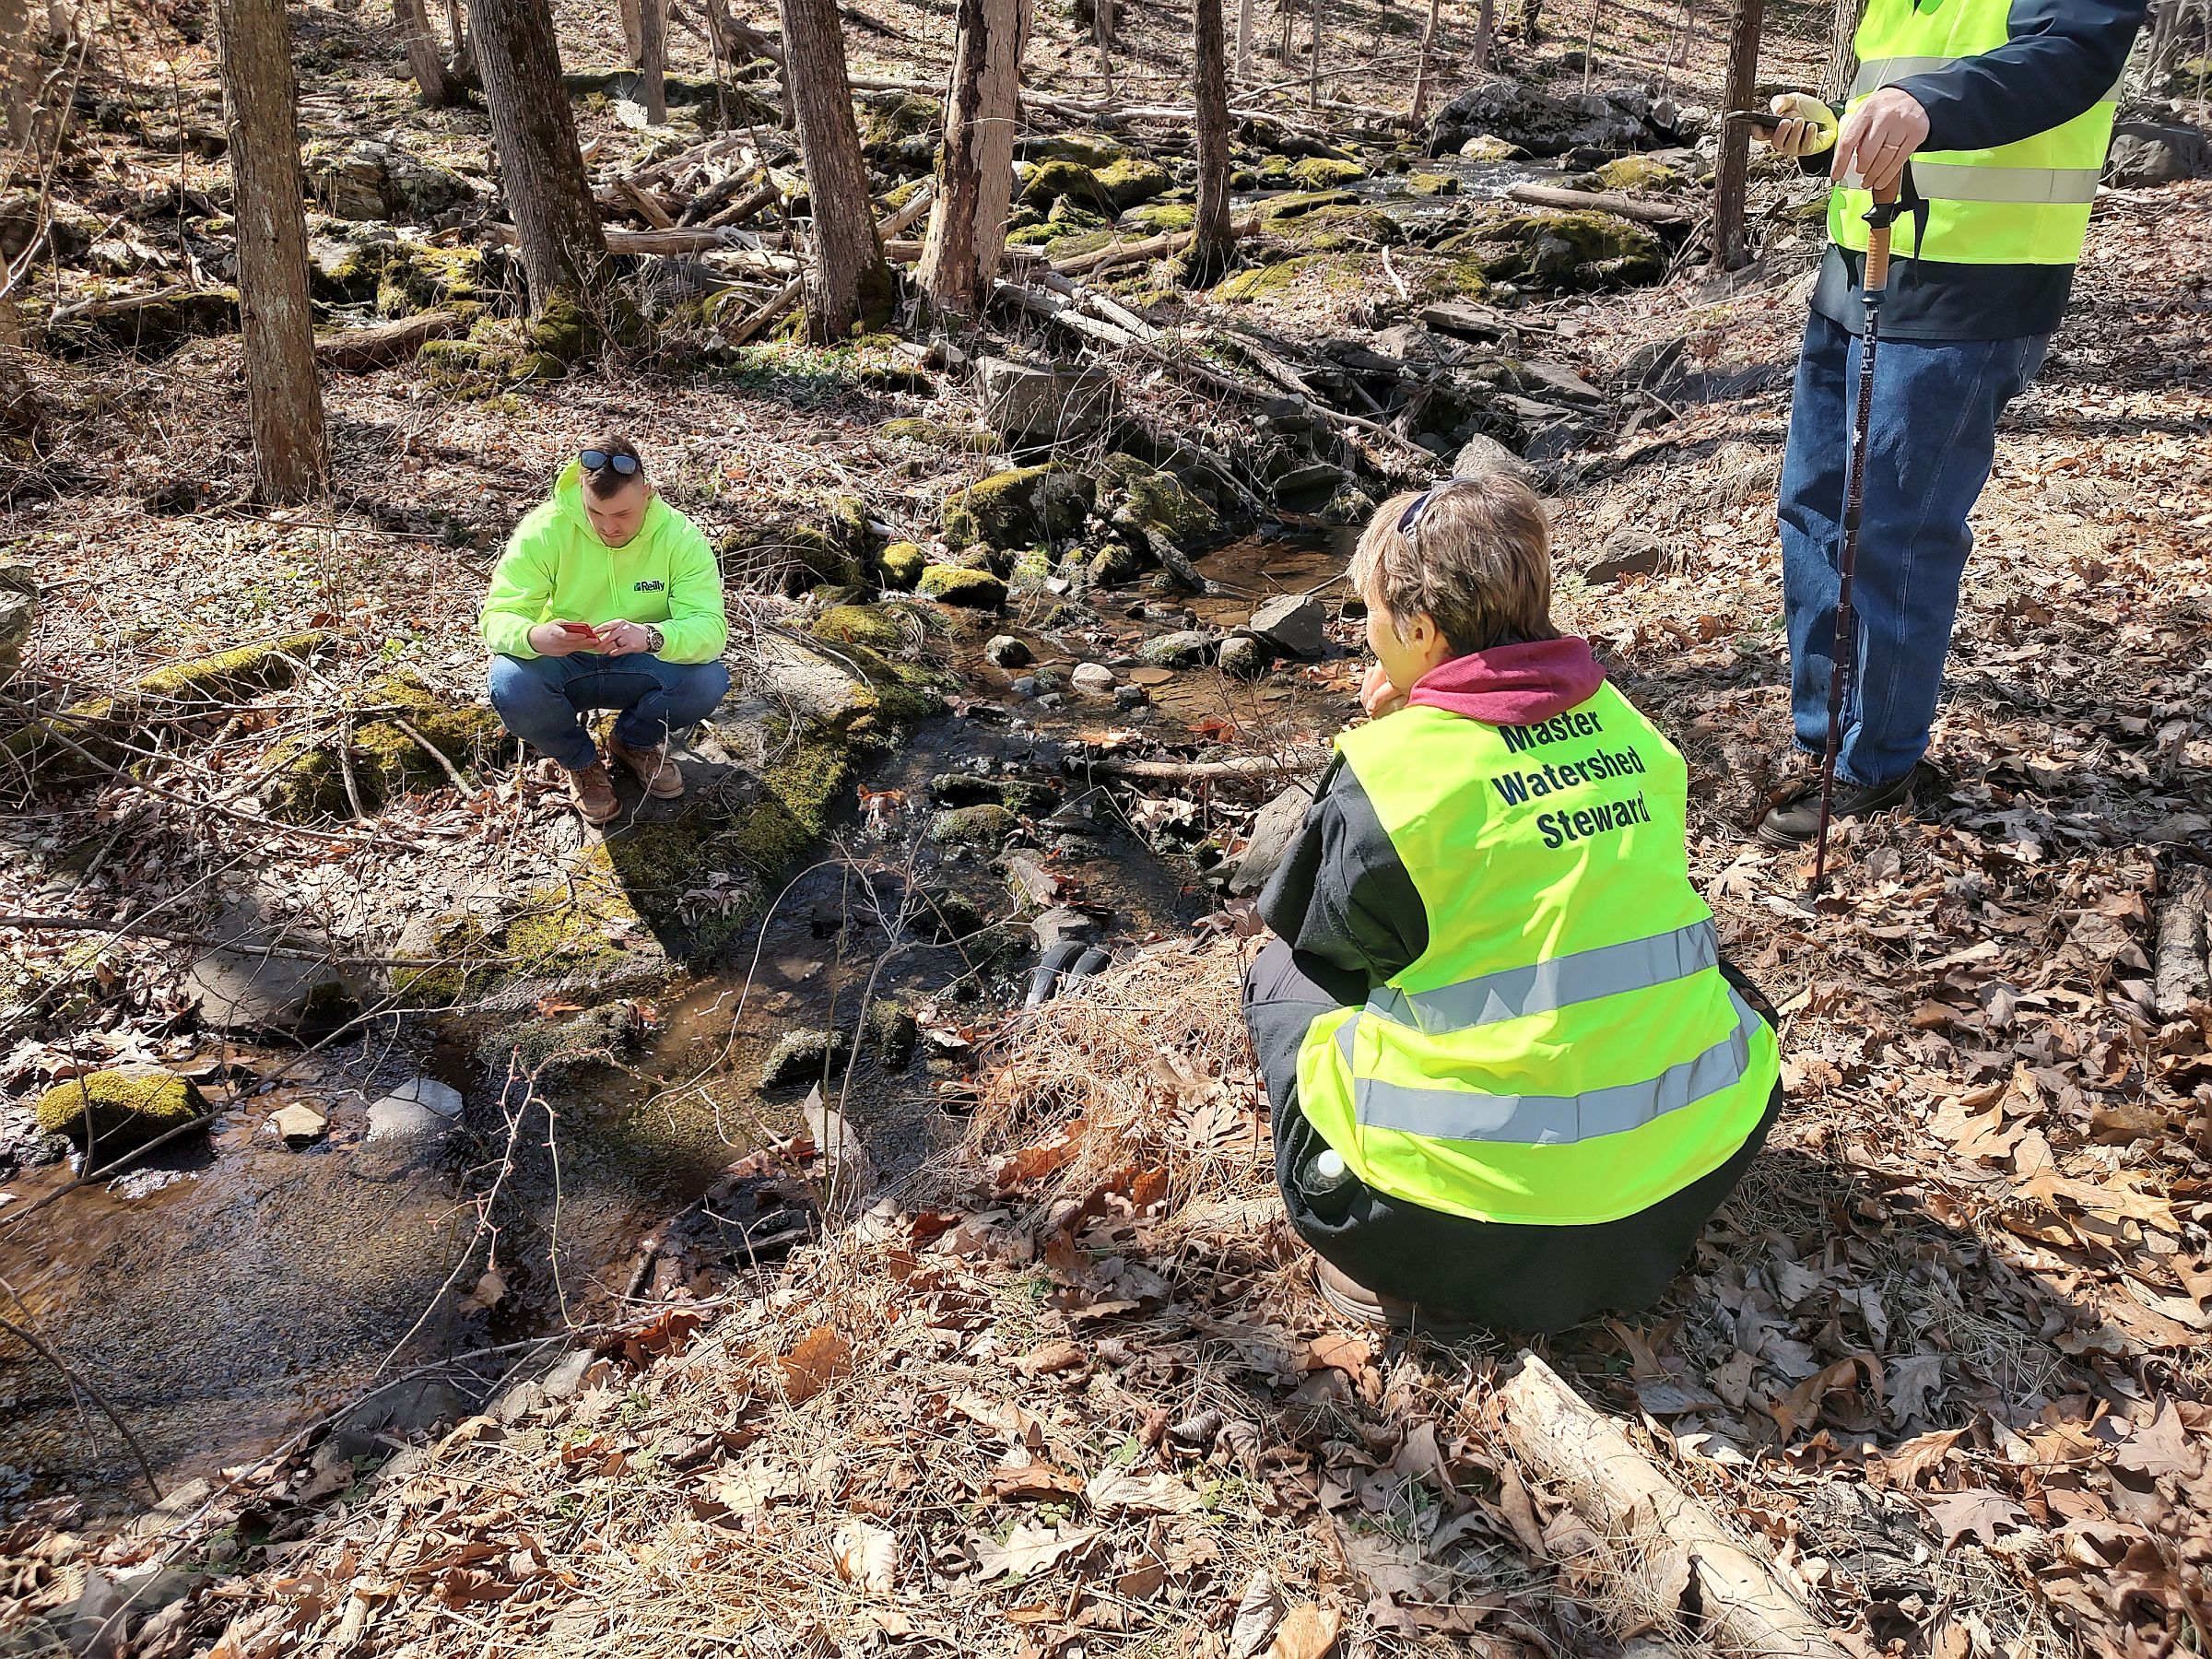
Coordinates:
(805,1056)
(1294,624)
(115,1110)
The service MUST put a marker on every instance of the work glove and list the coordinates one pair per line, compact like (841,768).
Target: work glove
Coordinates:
(1808,126)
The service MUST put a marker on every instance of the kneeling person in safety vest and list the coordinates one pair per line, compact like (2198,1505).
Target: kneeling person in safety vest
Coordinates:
(1511,1077)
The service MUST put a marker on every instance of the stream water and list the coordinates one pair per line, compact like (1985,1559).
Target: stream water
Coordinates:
(222,1299)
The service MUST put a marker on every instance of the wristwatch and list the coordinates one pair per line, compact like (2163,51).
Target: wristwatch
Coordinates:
(654,638)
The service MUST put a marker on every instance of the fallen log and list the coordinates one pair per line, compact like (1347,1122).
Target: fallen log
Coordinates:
(788,295)
(1747,1609)
(1643,209)
(2181,973)
(381,345)
(1204,771)
(697,239)
(1161,246)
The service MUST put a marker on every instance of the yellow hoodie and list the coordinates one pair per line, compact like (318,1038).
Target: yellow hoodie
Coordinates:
(557,567)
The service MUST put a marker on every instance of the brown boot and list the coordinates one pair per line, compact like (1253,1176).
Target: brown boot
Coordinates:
(1353,1301)
(594,793)
(656,769)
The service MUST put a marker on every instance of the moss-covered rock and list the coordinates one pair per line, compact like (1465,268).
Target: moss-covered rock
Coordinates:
(125,1107)
(1287,207)
(1070,216)
(891,1031)
(1161,218)
(877,626)
(805,1056)
(146,326)
(1634,173)
(1152,507)
(1575,251)
(1319,173)
(901,566)
(387,758)
(1431,184)
(545,1046)
(1131,179)
(1089,149)
(1017,508)
(1049,181)
(1334,230)
(916,429)
(1488,147)
(829,543)
(902,131)
(1336,273)
(982,825)
(952,584)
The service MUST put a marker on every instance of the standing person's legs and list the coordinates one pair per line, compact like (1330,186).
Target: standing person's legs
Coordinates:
(531,695)
(1931,439)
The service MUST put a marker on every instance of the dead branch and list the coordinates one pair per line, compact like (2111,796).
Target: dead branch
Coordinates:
(2181,974)
(788,295)
(238,947)
(380,346)
(1748,1608)
(1643,209)
(1204,771)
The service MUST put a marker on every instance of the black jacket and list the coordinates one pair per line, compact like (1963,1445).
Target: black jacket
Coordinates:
(2061,57)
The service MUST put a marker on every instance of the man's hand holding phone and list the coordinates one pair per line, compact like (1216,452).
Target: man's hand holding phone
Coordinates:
(563,639)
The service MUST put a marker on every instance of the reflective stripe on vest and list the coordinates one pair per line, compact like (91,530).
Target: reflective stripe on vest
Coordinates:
(1887,72)
(1551,1120)
(1587,975)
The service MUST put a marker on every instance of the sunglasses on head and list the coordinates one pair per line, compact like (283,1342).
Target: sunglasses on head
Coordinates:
(1411,519)
(594,460)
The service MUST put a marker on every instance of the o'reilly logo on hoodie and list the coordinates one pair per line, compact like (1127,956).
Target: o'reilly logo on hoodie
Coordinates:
(649,586)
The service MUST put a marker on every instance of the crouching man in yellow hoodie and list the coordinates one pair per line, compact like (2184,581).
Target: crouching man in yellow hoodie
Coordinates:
(606,598)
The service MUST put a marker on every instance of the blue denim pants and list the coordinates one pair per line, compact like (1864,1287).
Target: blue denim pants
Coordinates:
(1929,443)
(542,700)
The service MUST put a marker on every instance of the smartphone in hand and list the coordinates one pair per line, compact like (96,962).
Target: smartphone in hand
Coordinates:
(580,630)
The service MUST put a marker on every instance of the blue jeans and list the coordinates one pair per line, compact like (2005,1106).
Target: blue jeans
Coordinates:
(540,699)
(1933,437)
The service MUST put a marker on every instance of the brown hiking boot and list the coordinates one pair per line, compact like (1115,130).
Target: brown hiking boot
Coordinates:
(594,793)
(656,769)
(1353,1301)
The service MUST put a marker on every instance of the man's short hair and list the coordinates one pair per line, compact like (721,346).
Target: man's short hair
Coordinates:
(606,483)
(1476,557)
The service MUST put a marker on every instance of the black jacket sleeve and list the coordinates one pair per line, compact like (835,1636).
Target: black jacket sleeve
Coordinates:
(1342,899)
(2063,56)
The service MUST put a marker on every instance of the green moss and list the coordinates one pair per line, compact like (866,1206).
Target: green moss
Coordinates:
(1154,506)
(1572,251)
(1049,180)
(900,116)
(1338,273)
(950,585)
(801,788)
(1333,230)
(1159,219)
(892,1032)
(901,565)
(872,625)
(1087,149)
(1017,508)
(1318,172)
(983,825)
(1115,563)
(544,1046)
(126,1107)
(387,758)
(1640,172)
(915,429)
(1131,179)
(1486,146)
(1431,184)
(805,1056)
(1284,208)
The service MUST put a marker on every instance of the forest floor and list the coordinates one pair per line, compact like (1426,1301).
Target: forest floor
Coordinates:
(1066,1388)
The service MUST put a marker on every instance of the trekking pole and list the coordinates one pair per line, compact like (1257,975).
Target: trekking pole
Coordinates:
(1879,218)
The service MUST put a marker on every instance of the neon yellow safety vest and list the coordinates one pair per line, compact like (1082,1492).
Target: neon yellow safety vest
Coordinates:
(2025,203)
(1565,1051)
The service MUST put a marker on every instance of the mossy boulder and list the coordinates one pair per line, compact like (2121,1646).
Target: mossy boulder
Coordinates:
(1431,184)
(1336,273)
(401,277)
(980,826)
(1070,216)
(1151,506)
(1488,147)
(1634,173)
(952,584)
(1161,218)
(916,429)
(805,1056)
(1089,149)
(1048,181)
(547,1045)
(892,1032)
(387,758)
(879,627)
(830,543)
(1132,180)
(125,1107)
(902,131)
(1575,251)
(901,566)
(1284,208)
(1016,509)
(148,326)
(1319,173)
(1335,229)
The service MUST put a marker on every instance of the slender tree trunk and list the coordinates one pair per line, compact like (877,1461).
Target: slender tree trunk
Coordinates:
(1101,29)
(1421,72)
(435,83)
(1244,10)
(633,31)
(1486,31)
(850,282)
(1589,47)
(1313,67)
(975,180)
(464,45)
(541,171)
(1214,244)
(652,61)
(1842,61)
(19,69)
(291,457)
(1734,175)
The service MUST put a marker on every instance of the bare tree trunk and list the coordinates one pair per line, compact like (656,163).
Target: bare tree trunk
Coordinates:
(1420,74)
(975,180)
(1216,242)
(435,83)
(1314,67)
(291,456)
(652,61)
(1532,21)
(1735,173)
(1486,31)
(1842,61)
(633,31)
(1244,41)
(541,171)
(464,45)
(19,69)
(851,281)
(1589,47)
(1101,29)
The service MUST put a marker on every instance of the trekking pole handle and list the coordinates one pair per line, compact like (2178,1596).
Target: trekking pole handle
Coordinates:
(1879,218)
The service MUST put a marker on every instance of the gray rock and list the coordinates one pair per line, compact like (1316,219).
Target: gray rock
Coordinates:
(1410,343)
(1557,380)
(567,1376)
(2145,153)
(1061,922)
(1186,649)
(402,1412)
(18,615)
(370,180)
(1007,651)
(1628,552)
(299,1124)
(417,1110)
(1026,403)
(1482,457)
(1243,656)
(243,992)
(1272,833)
(804,1057)
(1319,480)
(1092,677)
(1350,505)
(1294,624)
(1130,697)
(1027,875)
(113,1605)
